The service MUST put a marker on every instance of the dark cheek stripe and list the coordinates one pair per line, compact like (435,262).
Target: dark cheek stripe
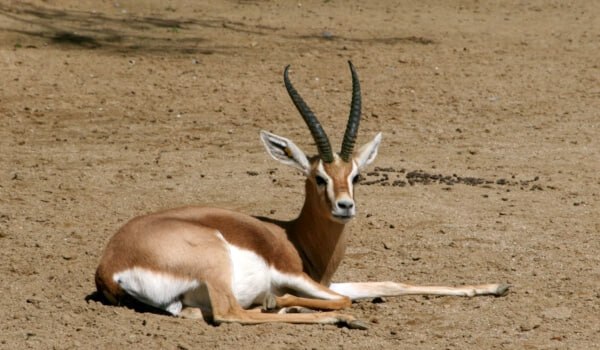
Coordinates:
(327,200)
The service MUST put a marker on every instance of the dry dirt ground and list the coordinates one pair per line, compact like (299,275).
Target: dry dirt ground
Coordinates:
(111,109)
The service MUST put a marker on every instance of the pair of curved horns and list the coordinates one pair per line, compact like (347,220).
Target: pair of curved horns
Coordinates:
(315,127)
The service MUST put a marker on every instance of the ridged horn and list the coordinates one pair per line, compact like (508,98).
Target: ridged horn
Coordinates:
(353,118)
(318,134)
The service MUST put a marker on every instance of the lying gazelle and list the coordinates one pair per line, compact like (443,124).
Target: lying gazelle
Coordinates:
(194,260)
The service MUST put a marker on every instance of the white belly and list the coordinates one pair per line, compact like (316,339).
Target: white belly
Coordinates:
(251,280)
(153,288)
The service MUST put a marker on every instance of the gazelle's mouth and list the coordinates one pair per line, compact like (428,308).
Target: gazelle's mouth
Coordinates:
(342,218)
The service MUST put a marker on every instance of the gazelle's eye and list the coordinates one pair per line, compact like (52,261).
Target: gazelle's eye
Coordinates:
(356,178)
(321,181)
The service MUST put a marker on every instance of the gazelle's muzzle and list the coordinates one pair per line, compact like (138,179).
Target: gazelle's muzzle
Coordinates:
(343,208)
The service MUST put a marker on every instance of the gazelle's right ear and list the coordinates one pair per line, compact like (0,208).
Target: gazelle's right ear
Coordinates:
(285,151)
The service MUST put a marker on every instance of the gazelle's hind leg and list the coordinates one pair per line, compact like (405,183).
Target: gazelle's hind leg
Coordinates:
(363,290)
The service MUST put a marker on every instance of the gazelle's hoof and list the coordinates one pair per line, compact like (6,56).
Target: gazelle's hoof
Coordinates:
(356,324)
(192,313)
(296,310)
(502,290)
(270,303)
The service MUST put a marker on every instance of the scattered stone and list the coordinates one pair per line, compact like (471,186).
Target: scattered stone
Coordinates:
(558,313)
(34,302)
(530,324)
(381,176)
(400,183)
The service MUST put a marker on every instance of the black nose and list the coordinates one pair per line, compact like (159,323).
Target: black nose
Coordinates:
(345,204)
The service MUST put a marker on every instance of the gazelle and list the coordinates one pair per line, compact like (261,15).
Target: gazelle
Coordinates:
(194,260)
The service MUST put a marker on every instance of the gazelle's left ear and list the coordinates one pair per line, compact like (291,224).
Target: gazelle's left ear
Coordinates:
(285,151)
(367,153)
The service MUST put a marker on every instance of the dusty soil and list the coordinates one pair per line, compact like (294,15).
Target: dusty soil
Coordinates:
(488,171)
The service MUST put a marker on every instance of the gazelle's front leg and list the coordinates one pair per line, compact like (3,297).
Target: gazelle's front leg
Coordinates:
(277,302)
(362,290)
(225,308)
(313,295)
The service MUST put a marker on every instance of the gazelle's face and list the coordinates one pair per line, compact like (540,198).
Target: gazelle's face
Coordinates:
(329,185)
(333,186)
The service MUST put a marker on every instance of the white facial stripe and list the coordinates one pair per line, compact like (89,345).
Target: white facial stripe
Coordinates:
(321,172)
(353,173)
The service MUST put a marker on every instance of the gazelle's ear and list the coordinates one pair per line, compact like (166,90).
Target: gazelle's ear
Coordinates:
(285,151)
(367,153)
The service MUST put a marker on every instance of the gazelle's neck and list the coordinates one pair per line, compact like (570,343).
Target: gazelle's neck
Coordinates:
(319,240)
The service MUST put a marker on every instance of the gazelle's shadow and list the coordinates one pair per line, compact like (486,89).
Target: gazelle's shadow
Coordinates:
(137,306)
(127,302)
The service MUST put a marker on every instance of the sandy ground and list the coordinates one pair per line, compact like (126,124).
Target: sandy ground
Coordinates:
(111,109)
